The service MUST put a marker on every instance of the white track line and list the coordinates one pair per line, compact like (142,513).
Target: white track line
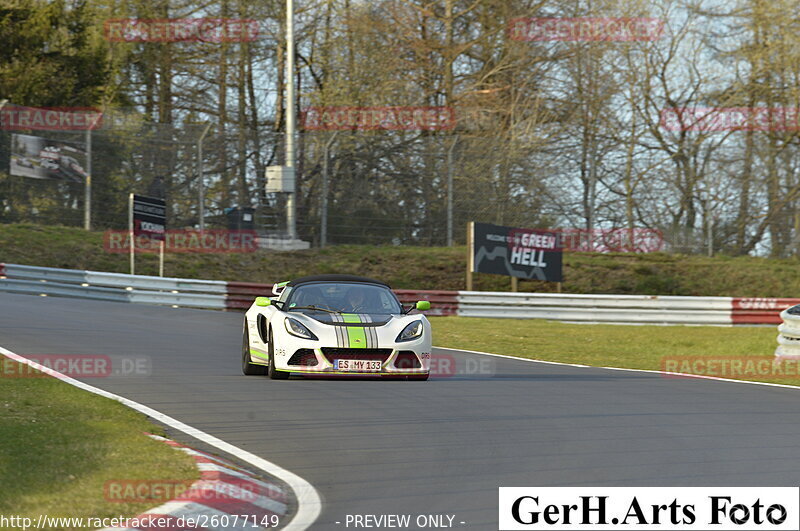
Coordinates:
(678,374)
(309,504)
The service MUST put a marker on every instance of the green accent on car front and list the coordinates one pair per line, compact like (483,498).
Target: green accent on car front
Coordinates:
(356,335)
(263,301)
(258,354)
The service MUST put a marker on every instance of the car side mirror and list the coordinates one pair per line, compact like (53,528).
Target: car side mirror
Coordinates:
(263,301)
(423,305)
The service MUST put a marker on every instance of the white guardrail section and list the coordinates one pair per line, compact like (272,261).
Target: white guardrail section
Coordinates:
(636,309)
(789,334)
(113,286)
(645,309)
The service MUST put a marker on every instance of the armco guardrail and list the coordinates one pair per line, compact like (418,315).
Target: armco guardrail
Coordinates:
(240,295)
(216,294)
(114,287)
(597,308)
(182,292)
(761,310)
(789,334)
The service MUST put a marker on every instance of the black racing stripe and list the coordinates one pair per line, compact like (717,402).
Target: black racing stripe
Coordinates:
(341,333)
(367,330)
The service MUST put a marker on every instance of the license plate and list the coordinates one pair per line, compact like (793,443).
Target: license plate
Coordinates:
(357,365)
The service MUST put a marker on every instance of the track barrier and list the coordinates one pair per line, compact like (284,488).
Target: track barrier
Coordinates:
(221,295)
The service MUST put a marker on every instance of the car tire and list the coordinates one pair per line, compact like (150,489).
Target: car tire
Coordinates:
(249,369)
(273,373)
(418,377)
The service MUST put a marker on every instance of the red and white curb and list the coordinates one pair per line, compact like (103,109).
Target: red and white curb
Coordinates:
(225,497)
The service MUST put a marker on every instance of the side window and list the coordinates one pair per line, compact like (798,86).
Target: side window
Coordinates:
(285,294)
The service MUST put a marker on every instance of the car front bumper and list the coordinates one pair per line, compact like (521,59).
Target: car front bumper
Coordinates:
(403,361)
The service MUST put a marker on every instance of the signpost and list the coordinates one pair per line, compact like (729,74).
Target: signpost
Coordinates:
(147,216)
(516,252)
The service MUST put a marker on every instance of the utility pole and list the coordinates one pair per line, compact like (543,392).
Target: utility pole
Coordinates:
(450,192)
(323,230)
(709,227)
(87,196)
(291,222)
(201,185)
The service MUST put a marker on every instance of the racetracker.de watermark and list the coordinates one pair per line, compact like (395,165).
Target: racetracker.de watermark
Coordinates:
(378,118)
(184,241)
(77,366)
(17,117)
(164,490)
(181,30)
(448,366)
(580,29)
(716,119)
(734,367)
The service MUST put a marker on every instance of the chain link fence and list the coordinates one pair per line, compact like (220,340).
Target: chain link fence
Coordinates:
(378,187)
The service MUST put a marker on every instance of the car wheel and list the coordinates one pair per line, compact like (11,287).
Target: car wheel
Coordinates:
(249,369)
(272,372)
(419,377)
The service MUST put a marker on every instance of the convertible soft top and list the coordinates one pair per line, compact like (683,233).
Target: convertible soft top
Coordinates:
(335,278)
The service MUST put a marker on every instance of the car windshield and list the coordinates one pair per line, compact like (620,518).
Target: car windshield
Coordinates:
(345,298)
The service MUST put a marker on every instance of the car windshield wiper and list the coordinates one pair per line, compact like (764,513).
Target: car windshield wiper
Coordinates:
(315,308)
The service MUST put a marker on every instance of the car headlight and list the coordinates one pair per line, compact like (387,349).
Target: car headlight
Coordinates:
(412,331)
(296,328)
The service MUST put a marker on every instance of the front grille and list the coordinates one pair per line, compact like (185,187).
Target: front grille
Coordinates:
(407,360)
(370,354)
(303,356)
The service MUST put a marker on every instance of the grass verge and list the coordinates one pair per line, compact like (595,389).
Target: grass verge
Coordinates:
(633,347)
(61,445)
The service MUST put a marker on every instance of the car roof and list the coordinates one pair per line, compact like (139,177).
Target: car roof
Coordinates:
(335,278)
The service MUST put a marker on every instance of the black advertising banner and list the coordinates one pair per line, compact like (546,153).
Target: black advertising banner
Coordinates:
(42,158)
(149,217)
(523,253)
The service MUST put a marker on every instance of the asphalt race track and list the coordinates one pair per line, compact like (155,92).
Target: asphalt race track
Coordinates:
(437,447)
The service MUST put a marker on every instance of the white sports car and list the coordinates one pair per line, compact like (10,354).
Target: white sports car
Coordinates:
(335,325)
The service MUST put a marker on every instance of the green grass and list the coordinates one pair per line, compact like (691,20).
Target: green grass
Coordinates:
(634,347)
(417,267)
(60,445)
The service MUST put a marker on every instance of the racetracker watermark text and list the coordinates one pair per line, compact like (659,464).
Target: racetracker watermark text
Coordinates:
(78,366)
(161,491)
(736,367)
(184,241)
(16,117)
(717,119)
(378,118)
(585,29)
(448,366)
(181,30)
(649,508)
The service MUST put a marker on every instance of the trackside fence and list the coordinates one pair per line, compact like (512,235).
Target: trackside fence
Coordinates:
(221,295)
